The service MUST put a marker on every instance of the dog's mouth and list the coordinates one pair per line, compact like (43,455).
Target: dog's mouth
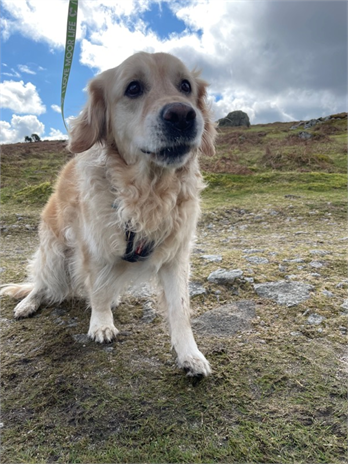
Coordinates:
(170,154)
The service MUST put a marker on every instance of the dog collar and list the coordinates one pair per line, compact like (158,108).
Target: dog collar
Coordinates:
(138,252)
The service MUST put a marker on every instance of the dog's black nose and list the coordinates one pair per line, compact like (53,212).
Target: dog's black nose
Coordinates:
(179,116)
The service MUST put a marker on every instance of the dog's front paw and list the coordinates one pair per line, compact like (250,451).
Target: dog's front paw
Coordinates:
(26,307)
(103,333)
(195,365)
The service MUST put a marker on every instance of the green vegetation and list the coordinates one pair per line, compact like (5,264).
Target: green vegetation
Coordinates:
(278,391)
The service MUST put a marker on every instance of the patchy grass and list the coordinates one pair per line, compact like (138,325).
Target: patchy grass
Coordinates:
(274,146)
(278,392)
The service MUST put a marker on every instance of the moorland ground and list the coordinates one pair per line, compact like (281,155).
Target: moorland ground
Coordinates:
(275,208)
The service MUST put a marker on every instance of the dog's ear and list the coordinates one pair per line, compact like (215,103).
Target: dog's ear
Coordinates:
(209,133)
(90,125)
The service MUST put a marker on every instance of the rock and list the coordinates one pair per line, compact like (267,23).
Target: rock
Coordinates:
(145,290)
(225,320)
(81,338)
(305,135)
(257,260)
(222,276)
(311,123)
(315,319)
(195,289)
(316,264)
(149,314)
(345,306)
(342,284)
(253,250)
(327,293)
(212,258)
(319,252)
(235,118)
(296,126)
(295,260)
(289,293)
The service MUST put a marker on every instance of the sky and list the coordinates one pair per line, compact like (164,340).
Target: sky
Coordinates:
(277,60)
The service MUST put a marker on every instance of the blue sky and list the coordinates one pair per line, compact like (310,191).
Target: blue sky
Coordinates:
(276,60)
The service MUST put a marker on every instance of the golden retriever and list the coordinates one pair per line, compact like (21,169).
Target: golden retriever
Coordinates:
(125,208)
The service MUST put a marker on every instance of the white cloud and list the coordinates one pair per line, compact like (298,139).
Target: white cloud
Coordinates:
(19,127)
(12,74)
(56,134)
(37,20)
(46,20)
(56,108)
(20,97)
(25,69)
(252,53)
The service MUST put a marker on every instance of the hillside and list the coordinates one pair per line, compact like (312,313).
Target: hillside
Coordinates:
(273,325)
(246,152)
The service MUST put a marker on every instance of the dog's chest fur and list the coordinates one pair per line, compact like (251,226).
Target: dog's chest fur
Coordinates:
(160,207)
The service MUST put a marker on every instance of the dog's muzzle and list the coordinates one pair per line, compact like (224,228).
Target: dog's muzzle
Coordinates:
(178,127)
(179,120)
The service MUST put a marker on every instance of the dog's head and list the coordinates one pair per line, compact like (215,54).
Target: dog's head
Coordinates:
(149,106)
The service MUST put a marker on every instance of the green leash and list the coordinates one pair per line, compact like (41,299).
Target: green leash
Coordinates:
(69,50)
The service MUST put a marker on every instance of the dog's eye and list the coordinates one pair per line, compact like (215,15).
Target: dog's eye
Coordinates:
(185,86)
(134,90)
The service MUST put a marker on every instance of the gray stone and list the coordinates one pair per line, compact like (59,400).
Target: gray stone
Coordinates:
(253,250)
(145,290)
(149,314)
(225,320)
(212,258)
(316,264)
(345,306)
(81,338)
(327,293)
(315,319)
(257,260)
(235,118)
(196,288)
(319,252)
(304,135)
(222,276)
(311,123)
(288,293)
(296,126)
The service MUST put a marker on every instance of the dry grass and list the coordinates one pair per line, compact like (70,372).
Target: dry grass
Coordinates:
(278,393)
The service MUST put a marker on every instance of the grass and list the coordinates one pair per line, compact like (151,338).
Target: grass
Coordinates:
(278,392)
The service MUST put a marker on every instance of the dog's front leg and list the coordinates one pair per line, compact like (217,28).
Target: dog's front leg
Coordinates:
(101,294)
(101,327)
(174,279)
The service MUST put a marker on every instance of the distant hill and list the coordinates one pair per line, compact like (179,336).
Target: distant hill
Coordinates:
(30,169)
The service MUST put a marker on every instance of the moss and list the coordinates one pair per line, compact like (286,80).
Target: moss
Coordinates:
(34,193)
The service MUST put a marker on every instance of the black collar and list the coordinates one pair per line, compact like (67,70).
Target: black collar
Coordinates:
(138,251)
